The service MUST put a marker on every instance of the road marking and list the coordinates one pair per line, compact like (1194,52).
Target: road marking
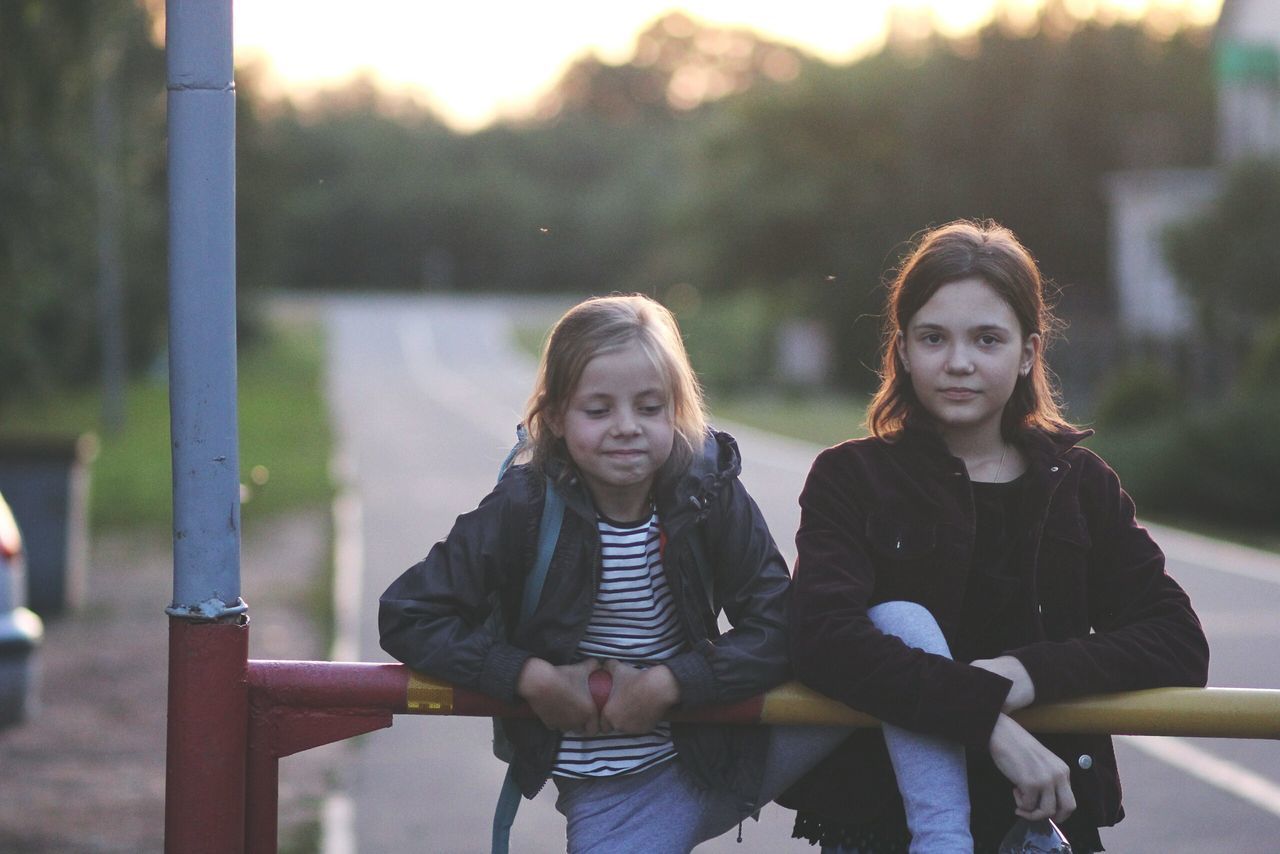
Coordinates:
(1228,776)
(338,834)
(337,818)
(348,561)
(448,387)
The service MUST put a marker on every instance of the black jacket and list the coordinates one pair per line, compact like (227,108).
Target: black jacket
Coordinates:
(433,616)
(895,520)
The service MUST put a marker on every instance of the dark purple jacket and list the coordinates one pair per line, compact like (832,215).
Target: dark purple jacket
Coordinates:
(895,520)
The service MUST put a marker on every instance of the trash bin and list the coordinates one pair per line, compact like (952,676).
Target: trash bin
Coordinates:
(46,482)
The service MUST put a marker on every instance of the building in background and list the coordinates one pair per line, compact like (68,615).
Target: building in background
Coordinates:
(1154,313)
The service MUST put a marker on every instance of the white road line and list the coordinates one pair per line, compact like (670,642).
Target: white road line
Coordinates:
(339,821)
(447,387)
(337,818)
(1228,776)
(348,572)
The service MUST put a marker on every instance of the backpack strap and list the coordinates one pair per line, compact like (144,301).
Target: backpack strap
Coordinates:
(504,814)
(548,536)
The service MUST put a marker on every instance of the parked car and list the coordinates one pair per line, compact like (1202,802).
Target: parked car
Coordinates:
(21,630)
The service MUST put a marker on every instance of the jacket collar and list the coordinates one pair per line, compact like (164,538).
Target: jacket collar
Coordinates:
(1041,445)
(691,492)
(681,496)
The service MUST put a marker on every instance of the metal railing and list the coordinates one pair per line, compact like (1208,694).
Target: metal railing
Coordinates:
(297,705)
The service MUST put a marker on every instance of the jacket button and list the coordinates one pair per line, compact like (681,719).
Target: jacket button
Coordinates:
(1085,762)
(1053,468)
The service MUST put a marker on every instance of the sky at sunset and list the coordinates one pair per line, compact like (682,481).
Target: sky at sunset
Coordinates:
(444,52)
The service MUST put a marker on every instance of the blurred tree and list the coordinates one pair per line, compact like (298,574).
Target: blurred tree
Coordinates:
(48,328)
(715,161)
(815,186)
(678,64)
(1228,257)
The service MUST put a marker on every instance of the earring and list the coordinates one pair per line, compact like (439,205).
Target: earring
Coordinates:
(1026,370)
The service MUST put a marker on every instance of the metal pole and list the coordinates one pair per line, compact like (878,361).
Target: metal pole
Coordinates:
(202,310)
(208,631)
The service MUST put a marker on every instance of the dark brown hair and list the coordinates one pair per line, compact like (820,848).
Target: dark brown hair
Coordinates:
(990,253)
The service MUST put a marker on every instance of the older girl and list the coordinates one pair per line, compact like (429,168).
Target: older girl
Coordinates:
(964,561)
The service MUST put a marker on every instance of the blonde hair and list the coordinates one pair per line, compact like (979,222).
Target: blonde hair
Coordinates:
(991,253)
(602,325)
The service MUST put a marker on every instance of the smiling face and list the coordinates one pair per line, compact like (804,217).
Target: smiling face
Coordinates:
(618,429)
(964,350)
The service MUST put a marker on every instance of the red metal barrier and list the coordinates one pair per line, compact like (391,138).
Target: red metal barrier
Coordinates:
(208,716)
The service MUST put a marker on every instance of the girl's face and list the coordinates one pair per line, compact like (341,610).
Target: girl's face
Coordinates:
(964,350)
(618,427)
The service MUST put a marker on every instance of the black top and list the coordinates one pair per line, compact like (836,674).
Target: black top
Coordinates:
(988,620)
(993,598)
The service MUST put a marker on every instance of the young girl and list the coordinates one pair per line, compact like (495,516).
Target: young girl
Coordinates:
(616,426)
(964,561)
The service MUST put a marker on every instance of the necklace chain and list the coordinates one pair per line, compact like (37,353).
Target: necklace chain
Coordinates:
(1000,466)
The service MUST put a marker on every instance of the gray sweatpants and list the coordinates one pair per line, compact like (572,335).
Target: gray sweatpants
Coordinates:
(662,810)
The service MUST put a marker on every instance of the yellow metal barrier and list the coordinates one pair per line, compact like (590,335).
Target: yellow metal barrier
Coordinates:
(1209,712)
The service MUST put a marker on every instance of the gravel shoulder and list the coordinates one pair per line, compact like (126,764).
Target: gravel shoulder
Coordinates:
(87,774)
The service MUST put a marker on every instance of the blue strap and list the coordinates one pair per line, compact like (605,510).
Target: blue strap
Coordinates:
(504,814)
(548,534)
(522,438)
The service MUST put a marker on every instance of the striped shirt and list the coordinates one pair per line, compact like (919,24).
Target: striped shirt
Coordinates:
(633,620)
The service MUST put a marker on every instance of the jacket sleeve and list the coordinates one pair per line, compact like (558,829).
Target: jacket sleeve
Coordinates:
(432,617)
(1145,633)
(751,581)
(838,651)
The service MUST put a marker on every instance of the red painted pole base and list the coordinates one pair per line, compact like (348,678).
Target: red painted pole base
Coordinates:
(207,736)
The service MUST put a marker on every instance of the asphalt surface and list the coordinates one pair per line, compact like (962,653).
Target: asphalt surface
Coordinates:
(426,392)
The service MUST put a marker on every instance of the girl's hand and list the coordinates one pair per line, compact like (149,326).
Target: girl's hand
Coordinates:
(559,695)
(1023,692)
(639,699)
(1041,781)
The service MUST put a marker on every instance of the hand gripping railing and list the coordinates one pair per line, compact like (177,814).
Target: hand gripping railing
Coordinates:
(297,705)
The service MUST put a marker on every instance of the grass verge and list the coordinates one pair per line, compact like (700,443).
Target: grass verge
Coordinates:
(284,435)
(823,419)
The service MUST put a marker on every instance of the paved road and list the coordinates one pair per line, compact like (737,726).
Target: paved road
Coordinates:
(426,393)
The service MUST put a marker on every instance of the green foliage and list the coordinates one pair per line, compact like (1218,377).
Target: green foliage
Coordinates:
(1228,256)
(804,190)
(1137,394)
(1217,464)
(67,68)
(822,419)
(729,339)
(1263,365)
(823,180)
(284,423)
(283,428)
